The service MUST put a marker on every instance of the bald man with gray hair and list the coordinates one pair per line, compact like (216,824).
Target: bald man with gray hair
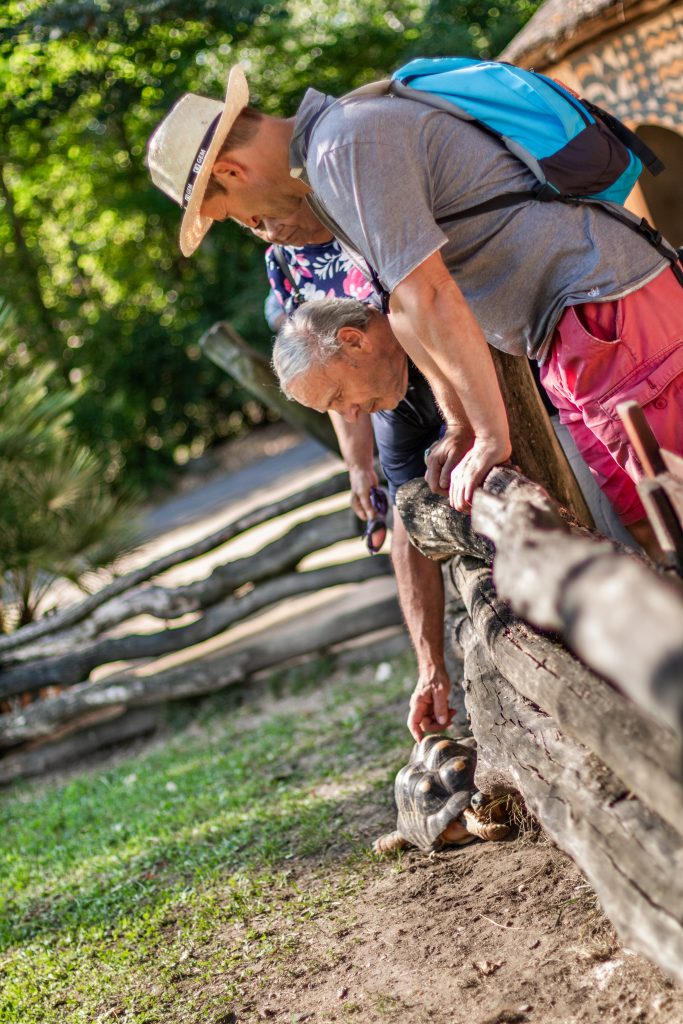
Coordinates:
(341,355)
(310,337)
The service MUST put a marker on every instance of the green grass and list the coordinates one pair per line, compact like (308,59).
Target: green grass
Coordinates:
(148,890)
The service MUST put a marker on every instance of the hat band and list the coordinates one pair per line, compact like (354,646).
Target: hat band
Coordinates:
(198,161)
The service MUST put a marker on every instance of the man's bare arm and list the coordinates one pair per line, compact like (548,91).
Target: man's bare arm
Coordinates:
(420,590)
(438,330)
(356,446)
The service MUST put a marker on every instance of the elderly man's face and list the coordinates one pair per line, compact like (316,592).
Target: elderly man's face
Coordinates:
(301,228)
(370,373)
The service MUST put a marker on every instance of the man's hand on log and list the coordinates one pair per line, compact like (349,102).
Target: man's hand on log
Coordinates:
(445,454)
(473,468)
(429,710)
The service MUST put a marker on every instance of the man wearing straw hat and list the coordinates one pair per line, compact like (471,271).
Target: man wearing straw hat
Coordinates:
(571,287)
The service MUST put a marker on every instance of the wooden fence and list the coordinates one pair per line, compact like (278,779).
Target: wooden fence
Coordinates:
(55,712)
(573,655)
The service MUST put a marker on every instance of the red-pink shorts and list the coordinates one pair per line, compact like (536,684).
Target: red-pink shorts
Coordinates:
(604,353)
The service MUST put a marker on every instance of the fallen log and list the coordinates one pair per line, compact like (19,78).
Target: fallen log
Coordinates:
(52,624)
(619,615)
(630,856)
(120,728)
(165,603)
(622,618)
(202,675)
(76,667)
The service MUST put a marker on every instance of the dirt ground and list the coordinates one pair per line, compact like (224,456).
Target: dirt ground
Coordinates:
(493,933)
(490,934)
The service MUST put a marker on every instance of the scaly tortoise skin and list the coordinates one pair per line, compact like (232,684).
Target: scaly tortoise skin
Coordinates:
(435,794)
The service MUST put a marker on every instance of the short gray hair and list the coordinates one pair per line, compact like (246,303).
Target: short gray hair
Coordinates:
(310,339)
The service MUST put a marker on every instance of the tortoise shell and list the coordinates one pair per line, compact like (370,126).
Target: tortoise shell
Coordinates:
(433,789)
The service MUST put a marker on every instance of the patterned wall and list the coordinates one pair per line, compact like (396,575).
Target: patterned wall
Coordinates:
(638,74)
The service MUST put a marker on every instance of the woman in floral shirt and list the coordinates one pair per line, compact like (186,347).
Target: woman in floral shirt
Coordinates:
(318,271)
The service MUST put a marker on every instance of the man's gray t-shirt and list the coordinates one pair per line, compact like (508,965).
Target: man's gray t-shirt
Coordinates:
(385,167)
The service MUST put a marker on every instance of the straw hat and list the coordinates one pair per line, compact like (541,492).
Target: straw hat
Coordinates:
(183,150)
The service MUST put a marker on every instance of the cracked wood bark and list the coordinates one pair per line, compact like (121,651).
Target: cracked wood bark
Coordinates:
(228,349)
(76,667)
(621,617)
(118,728)
(162,603)
(202,675)
(632,858)
(48,626)
(645,756)
(617,614)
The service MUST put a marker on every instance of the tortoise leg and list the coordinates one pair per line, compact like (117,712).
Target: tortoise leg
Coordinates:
(456,834)
(490,831)
(389,842)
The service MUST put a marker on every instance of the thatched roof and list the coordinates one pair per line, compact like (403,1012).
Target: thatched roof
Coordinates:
(560,26)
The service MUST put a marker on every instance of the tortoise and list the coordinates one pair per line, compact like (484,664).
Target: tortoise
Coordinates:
(438,803)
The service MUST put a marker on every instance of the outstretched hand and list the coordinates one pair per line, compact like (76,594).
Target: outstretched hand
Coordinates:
(429,710)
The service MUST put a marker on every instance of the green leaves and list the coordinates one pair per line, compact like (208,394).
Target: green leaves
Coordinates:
(58,517)
(89,248)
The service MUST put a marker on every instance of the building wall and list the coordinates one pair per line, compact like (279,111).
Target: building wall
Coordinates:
(637,74)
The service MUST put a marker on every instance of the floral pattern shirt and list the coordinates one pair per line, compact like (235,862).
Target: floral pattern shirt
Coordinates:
(320,272)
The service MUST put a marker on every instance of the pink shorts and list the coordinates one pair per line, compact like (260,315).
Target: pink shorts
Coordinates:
(604,353)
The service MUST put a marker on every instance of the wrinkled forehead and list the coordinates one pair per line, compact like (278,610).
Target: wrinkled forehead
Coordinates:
(317,387)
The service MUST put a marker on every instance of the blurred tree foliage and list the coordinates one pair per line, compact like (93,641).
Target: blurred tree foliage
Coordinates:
(58,518)
(89,248)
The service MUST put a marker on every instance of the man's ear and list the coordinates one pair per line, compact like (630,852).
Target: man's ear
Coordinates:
(352,339)
(225,168)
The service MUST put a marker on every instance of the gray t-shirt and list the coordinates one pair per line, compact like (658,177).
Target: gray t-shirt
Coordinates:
(383,168)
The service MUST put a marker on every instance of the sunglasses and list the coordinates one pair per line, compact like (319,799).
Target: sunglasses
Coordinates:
(375,531)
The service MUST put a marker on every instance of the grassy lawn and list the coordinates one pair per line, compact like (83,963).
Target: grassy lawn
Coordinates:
(122,883)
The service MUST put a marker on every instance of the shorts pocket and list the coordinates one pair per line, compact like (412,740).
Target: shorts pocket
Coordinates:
(647,382)
(589,365)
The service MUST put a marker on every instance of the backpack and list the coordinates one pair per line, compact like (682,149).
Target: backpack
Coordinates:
(577,151)
(572,147)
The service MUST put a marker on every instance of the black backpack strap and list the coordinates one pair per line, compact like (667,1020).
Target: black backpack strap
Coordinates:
(282,263)
(500,202)
(644,228)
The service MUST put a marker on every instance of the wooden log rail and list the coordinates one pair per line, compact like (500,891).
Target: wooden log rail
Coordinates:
(63,650)
(574,686)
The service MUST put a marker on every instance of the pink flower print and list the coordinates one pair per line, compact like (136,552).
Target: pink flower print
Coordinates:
(300,267)
(356,285)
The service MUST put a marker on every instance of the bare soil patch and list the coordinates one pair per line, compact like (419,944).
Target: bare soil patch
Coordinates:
(487,934)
